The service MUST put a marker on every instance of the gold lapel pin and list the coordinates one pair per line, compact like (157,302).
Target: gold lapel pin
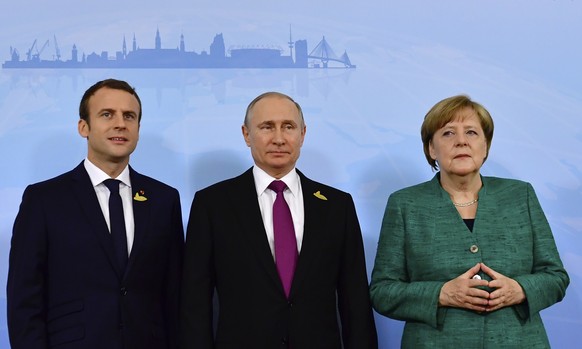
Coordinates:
(319,195)
(139,196)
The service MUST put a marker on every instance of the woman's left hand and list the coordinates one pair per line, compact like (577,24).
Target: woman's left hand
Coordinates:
(507,291)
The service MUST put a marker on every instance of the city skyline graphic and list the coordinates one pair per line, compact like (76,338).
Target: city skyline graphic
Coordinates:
(217,56)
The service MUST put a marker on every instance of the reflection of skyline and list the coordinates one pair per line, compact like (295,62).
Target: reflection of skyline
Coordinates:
(217,82)
(322,56)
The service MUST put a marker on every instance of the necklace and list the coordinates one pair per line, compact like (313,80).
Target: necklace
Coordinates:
(465,204)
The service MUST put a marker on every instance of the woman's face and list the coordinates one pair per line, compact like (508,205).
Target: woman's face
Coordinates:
(460,146)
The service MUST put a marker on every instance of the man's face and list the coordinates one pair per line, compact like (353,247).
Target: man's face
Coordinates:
(113,129)
(275,134)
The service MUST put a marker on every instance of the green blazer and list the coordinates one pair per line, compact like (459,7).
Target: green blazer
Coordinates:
(425,243)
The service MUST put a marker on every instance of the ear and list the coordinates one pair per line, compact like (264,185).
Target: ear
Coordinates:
(245,133)
(83,128)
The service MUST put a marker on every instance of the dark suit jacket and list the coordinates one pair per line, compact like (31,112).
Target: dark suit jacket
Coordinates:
(64,287)
(227,249)
(425,243)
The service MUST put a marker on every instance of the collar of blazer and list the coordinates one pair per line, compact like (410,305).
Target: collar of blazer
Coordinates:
(142,214)
(444,195)
(89,204)
(248,220)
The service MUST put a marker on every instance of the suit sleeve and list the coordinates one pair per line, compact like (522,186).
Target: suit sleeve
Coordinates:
(25,291)
(392,292)
(198,280)
(174,272)
(355,309)
(548,280)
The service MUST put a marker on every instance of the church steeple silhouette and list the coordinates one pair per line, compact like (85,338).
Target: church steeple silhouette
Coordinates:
(74,53)
(158,40)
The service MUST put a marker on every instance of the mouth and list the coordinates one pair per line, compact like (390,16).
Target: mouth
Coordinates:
(460,156)
(278,154)
(118,139)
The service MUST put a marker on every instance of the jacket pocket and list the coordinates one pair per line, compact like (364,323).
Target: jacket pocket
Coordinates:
(67,335)
(64,310)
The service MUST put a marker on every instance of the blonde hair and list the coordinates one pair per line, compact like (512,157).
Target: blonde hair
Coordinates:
(446,111)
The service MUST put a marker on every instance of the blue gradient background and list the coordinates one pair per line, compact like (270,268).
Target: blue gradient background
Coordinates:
(521,59)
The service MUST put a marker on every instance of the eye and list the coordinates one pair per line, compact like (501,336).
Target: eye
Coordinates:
(472,132)
(265,127)
(448,133)
(129,116)
(106,114)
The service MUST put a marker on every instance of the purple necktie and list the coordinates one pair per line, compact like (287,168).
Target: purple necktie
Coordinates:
(285,242)
(117,222)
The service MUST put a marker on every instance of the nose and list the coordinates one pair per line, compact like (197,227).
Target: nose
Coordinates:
(278,136)
(461,140)
(119,121)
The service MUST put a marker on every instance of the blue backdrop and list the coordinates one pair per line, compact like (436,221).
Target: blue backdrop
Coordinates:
(518,58)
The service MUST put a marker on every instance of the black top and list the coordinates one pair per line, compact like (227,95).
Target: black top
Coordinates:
(470,223)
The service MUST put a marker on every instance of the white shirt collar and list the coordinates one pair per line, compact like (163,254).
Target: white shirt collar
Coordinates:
(262,180)
(97,175)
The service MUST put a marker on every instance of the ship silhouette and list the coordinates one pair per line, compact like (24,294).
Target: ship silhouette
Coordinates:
(322,56)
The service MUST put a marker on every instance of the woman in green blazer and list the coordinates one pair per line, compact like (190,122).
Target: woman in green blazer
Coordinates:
(467,261)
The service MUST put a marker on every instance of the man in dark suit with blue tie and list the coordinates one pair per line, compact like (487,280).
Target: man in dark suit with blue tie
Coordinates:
(96,253)
(284,253)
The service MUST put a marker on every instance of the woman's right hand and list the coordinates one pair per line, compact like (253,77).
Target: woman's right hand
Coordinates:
(463,292)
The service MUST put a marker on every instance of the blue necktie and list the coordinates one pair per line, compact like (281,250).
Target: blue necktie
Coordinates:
(285,242)
(117,222)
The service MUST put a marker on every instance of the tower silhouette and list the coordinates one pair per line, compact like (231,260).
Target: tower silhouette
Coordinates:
(158,40)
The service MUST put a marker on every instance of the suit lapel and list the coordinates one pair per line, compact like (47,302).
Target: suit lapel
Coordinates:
(89,204)
(141,216)
(246,206)
(315,213)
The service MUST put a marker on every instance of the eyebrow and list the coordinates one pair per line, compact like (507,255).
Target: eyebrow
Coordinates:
(130,112)
(271,122)
(111,110)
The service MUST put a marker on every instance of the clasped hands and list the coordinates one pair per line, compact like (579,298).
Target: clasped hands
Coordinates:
(465,292)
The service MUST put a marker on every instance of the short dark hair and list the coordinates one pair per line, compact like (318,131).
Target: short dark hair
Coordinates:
(108,83)
(444,112)
(272,94)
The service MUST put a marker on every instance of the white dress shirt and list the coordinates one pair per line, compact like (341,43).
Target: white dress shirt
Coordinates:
(294,197)
(97,177)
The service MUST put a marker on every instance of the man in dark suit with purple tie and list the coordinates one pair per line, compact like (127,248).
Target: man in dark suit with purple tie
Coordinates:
(96,253)
(284,253)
